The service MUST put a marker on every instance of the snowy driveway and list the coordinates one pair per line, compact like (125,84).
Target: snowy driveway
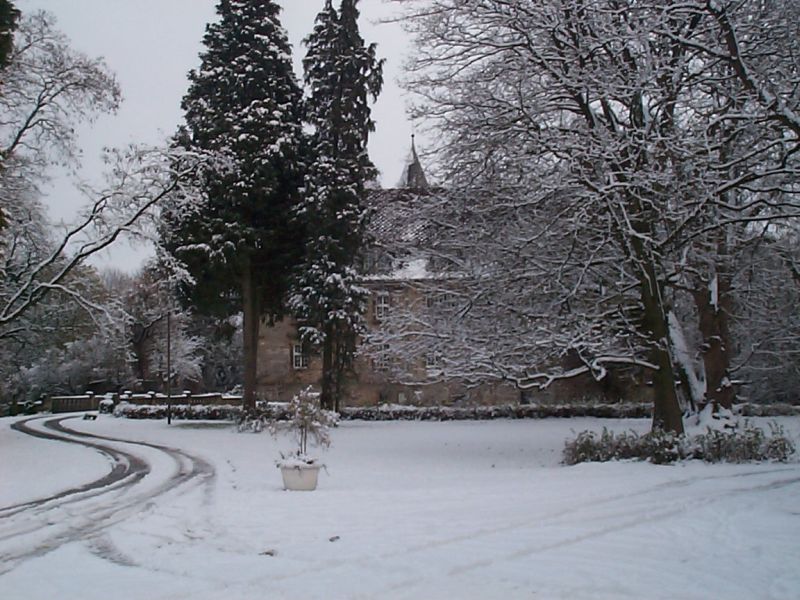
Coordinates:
(408,510)
(83,513)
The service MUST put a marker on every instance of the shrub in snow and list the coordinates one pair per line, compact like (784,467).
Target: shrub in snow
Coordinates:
(249,422)
(661,447)
(307,421)
(587,447)
(778,446)
(749,443)
(123,409)
(106,405)
(719,446)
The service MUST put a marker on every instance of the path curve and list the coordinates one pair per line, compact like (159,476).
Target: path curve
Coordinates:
(33,528)
(124,465)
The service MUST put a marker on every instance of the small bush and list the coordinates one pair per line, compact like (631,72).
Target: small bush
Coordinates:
(588,447)
(251,423)
(778,446)
(585,448)
(747,444)
(662,447)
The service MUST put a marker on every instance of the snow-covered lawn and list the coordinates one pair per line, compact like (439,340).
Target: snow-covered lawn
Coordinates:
(407,510)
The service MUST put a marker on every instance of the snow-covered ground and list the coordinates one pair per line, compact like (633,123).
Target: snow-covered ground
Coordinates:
(407,510)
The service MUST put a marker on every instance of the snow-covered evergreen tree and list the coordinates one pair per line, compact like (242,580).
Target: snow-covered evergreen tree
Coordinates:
(341,73)
(9,16)
(243,104)
(8,23)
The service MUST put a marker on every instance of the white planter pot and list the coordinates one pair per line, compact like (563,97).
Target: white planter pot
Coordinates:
(300,478)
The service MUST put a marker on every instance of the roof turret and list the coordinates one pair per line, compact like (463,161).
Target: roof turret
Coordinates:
(413,175)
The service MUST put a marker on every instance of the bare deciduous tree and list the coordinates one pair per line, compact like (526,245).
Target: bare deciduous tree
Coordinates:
(48,89)
(610,158)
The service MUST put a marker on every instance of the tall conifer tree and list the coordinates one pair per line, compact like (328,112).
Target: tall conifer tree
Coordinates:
(243,104)
(341,72)
(9,16)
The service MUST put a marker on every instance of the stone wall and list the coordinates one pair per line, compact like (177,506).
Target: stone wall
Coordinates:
(279,379)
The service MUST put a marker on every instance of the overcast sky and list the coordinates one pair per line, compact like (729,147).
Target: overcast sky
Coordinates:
(152,44)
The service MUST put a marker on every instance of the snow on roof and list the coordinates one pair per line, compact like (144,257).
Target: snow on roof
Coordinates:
(413,269)
(395,216)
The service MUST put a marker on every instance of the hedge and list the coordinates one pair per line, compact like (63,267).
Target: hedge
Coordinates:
(275,411)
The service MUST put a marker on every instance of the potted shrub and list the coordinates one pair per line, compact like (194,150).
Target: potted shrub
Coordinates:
(307,420)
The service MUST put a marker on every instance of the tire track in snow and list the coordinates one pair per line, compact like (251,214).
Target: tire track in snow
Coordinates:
(622,517)
(569,511)
(124,465)
(34,528)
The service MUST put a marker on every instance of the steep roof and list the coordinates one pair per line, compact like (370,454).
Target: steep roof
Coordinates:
(399,235)
(394,219)
(413,174)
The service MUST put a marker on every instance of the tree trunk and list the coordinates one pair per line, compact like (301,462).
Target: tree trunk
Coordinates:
(339,373)
(692,388)
(251,317)
(338,369)
(713,307)
(138,341)
(327,396)
(666,406)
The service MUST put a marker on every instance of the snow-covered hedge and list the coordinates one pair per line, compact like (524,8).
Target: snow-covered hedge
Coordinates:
(748,443)
(483,413)
(395,412)
(279,412)
(768,410)
(225,412)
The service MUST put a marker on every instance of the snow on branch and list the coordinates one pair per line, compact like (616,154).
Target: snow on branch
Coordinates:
(139,179)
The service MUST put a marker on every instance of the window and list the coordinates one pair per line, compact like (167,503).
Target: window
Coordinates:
(444,300)
(433,360)
(299,358)
(381,305)
(381,361)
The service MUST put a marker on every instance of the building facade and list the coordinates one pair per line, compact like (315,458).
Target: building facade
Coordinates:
(396,280)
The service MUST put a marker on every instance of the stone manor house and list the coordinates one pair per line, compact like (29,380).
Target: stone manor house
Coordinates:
(284,368)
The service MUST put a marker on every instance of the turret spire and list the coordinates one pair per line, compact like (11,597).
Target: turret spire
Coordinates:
(413,174)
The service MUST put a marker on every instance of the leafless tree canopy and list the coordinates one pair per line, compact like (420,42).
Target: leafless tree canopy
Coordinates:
(608,164)
(46,91)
